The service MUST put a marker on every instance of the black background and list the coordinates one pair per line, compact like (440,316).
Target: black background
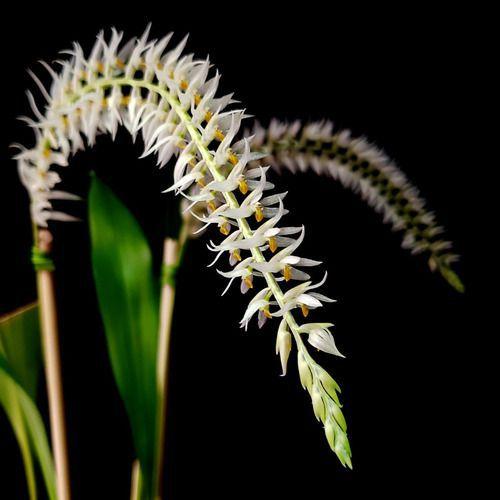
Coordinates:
(235,427)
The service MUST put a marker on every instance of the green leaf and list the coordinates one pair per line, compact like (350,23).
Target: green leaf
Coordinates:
(20,342)
(128,299)
(20,360)
(10,403)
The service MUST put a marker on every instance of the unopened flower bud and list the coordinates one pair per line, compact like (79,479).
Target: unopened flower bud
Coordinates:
(330,432)
(318,403)
(283,345)
(305,374)
(339,417)
(343,449)
(330,386)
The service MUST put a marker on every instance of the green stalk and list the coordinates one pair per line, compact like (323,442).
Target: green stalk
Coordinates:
(173,252)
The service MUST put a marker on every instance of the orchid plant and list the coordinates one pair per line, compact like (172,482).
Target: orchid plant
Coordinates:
(222,174)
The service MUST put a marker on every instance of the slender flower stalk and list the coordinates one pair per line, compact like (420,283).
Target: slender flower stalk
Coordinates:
(135,482)
(365,169)
(52,361)
(171,255)
(169,100)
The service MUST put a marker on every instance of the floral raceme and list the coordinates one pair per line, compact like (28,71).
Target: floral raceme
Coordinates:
(365,169)
(169,99)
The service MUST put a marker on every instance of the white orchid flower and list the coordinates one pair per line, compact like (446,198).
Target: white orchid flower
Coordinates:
(302,297)
(319,336)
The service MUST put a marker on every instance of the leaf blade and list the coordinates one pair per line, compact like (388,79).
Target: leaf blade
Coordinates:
(128,300)
(20,360)
(11,406)
(20,340)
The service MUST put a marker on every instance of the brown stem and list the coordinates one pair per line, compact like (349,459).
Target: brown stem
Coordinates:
(50,340)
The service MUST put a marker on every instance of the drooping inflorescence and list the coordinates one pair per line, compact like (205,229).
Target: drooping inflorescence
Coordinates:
(169,100)
(365,169)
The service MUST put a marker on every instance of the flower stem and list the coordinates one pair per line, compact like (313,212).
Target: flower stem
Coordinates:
(172,254)
(48,317)
(135,487)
